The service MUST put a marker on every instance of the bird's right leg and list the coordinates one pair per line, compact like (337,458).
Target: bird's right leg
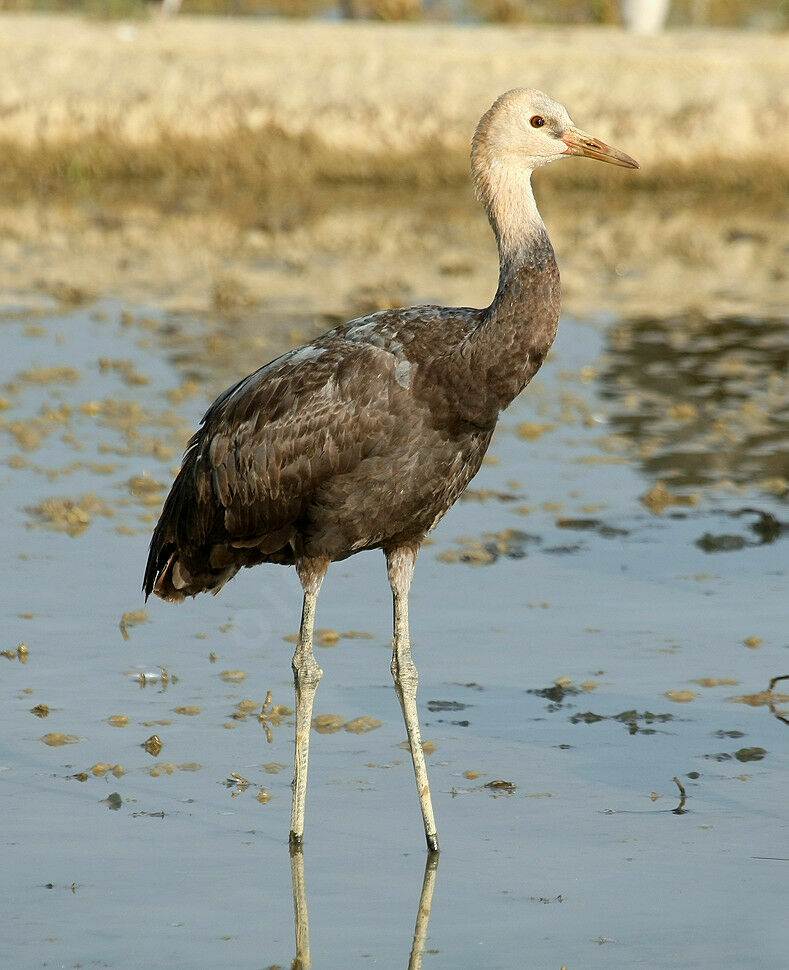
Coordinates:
(306,676)
(400,566)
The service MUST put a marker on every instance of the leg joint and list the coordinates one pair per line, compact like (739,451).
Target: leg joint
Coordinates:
(306,671)
(404,671)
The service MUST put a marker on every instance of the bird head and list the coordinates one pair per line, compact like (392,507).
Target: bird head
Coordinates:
(525,129)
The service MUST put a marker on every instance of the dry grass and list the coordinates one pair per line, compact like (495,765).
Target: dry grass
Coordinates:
(185,165)
(242,104)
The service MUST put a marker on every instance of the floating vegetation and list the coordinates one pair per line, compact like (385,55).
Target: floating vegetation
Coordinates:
(592,525)
(274,767)
(272,715)
(659,498)
(562,689)
(233,676)
(776,486)
(500,787)
(161,676)
(362,725)
(132,618)
(163,768)
(767,698)
(743,755)
(146,490)
(681,696)
(428,747)
(764,529)
(57,740)
(632,720)
(72,516)
(100,770)
(237,781)
(486,494)
(247,707)
(325,637)
(238,784)
(57,374)
(153,745)
(509,544)
(125,369)
(328,723)
(21,653)
(533,430)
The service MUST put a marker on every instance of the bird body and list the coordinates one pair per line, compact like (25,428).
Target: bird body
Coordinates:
(362,439)
(365,437)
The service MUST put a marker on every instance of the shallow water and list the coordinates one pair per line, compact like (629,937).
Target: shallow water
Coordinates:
(553,569)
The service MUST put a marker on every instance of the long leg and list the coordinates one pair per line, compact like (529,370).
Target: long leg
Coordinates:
(400,566)
(306,676)
(303,960)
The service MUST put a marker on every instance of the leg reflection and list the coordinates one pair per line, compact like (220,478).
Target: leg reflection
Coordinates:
(303,960)
(423,913)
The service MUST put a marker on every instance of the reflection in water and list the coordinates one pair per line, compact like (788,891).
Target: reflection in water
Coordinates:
(303,959)
(773,700)
(764,528)
(680,809)
(423,913)
(702,399)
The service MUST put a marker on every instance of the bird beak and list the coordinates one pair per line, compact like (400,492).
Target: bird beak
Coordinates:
(579,143)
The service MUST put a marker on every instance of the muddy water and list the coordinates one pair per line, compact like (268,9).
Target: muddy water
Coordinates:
(602,614)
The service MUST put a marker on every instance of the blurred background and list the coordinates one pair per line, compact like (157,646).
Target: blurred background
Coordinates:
(752,14)
(186,191)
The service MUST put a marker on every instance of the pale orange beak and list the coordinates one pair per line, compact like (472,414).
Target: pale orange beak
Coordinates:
(579,143)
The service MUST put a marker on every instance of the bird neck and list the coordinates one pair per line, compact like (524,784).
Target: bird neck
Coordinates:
(503,186)
(524,273)
(517,329)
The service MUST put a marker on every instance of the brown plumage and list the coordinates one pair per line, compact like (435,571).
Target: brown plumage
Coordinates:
(364,438)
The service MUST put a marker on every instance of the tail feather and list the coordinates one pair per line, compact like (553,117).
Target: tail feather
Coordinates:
(163,574)
(181,555)
(191,551)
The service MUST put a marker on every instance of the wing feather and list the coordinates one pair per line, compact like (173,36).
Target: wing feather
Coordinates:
(288,439)
(267,444)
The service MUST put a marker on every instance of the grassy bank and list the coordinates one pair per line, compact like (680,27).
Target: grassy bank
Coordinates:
(250,103)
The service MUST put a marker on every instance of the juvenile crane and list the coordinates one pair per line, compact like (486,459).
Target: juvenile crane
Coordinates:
(364,438)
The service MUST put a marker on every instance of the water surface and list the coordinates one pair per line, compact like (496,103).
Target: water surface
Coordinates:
(581,639)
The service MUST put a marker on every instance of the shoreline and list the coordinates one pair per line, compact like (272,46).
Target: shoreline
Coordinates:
(242,168)
(273,101)
(297,260)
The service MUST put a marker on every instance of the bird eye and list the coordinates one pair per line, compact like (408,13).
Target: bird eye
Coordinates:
(537,121)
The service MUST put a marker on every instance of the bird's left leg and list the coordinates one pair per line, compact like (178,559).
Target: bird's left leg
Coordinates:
(400,566)
(306,675)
